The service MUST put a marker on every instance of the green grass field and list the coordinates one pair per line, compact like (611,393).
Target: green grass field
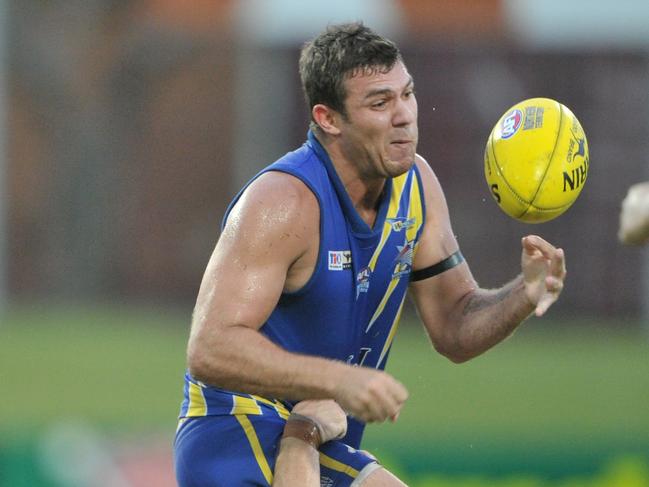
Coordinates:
(556,400)
(552,399)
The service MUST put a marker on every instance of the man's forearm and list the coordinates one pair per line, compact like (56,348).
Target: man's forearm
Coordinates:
(297,464)
(242,359)
(486,317)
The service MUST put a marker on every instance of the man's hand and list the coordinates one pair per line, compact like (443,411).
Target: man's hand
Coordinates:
(327,414)
(544,270)
(634,217)
(371,395)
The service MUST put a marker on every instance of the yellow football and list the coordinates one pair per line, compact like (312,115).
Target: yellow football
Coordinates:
(536,160)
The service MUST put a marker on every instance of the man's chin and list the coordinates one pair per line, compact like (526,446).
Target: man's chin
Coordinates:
(399,167)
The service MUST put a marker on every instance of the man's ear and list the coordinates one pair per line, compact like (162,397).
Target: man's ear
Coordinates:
(327,119)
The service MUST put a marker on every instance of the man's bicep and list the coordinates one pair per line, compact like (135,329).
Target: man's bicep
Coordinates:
(246,273)
(437,241)
(438,297)
(239,287)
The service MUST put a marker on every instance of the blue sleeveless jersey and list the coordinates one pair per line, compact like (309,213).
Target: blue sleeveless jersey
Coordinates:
(349,310)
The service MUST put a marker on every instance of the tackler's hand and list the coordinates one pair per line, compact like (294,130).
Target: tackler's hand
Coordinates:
(327,414)
(544,271)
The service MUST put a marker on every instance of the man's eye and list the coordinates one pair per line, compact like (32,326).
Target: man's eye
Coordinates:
(379,104)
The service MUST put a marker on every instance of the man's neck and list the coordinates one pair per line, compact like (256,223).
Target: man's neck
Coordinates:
(365,193)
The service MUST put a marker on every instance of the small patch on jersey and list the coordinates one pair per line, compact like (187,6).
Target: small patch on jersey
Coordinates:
(403,261)
(400,223)
(363,281)
(351,449)
(340,260)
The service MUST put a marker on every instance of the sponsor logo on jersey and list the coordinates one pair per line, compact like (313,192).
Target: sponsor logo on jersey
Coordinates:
(511,123)
(403,261)
(340,260)
(401,223)
(363,281)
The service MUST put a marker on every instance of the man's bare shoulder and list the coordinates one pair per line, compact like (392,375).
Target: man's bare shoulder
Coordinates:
(280,189)
(437,240)
(429,179)
(276,203)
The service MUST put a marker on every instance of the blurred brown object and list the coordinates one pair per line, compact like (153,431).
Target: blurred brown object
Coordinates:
(197,15)
(463,19)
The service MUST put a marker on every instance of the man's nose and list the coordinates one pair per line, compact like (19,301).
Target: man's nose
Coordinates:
(406,112)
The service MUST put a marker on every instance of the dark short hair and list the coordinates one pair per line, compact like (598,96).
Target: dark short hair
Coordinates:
(340,52)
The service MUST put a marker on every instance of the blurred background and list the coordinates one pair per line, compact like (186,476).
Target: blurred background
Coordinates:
(126,126)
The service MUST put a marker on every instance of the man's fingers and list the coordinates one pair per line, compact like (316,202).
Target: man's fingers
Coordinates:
(534,242)
(544,267)
(528,245)
(553,284)
(387,408)
(371,395)
(558,263)
(538,248)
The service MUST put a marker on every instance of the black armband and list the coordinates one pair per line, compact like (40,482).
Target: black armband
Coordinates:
(435,269)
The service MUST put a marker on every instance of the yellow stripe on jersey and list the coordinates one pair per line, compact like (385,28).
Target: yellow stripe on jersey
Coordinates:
(415,210)
(279,407)
(329,462)
(249,430)
(245,405)
(398,184)
(393,331)
(384,301)
(197,404)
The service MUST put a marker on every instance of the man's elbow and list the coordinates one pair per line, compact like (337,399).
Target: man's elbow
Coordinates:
(199,365)
(452,348)
(454,354)
(196,367)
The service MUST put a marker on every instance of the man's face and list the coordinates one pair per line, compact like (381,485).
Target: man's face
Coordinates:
(380,131)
